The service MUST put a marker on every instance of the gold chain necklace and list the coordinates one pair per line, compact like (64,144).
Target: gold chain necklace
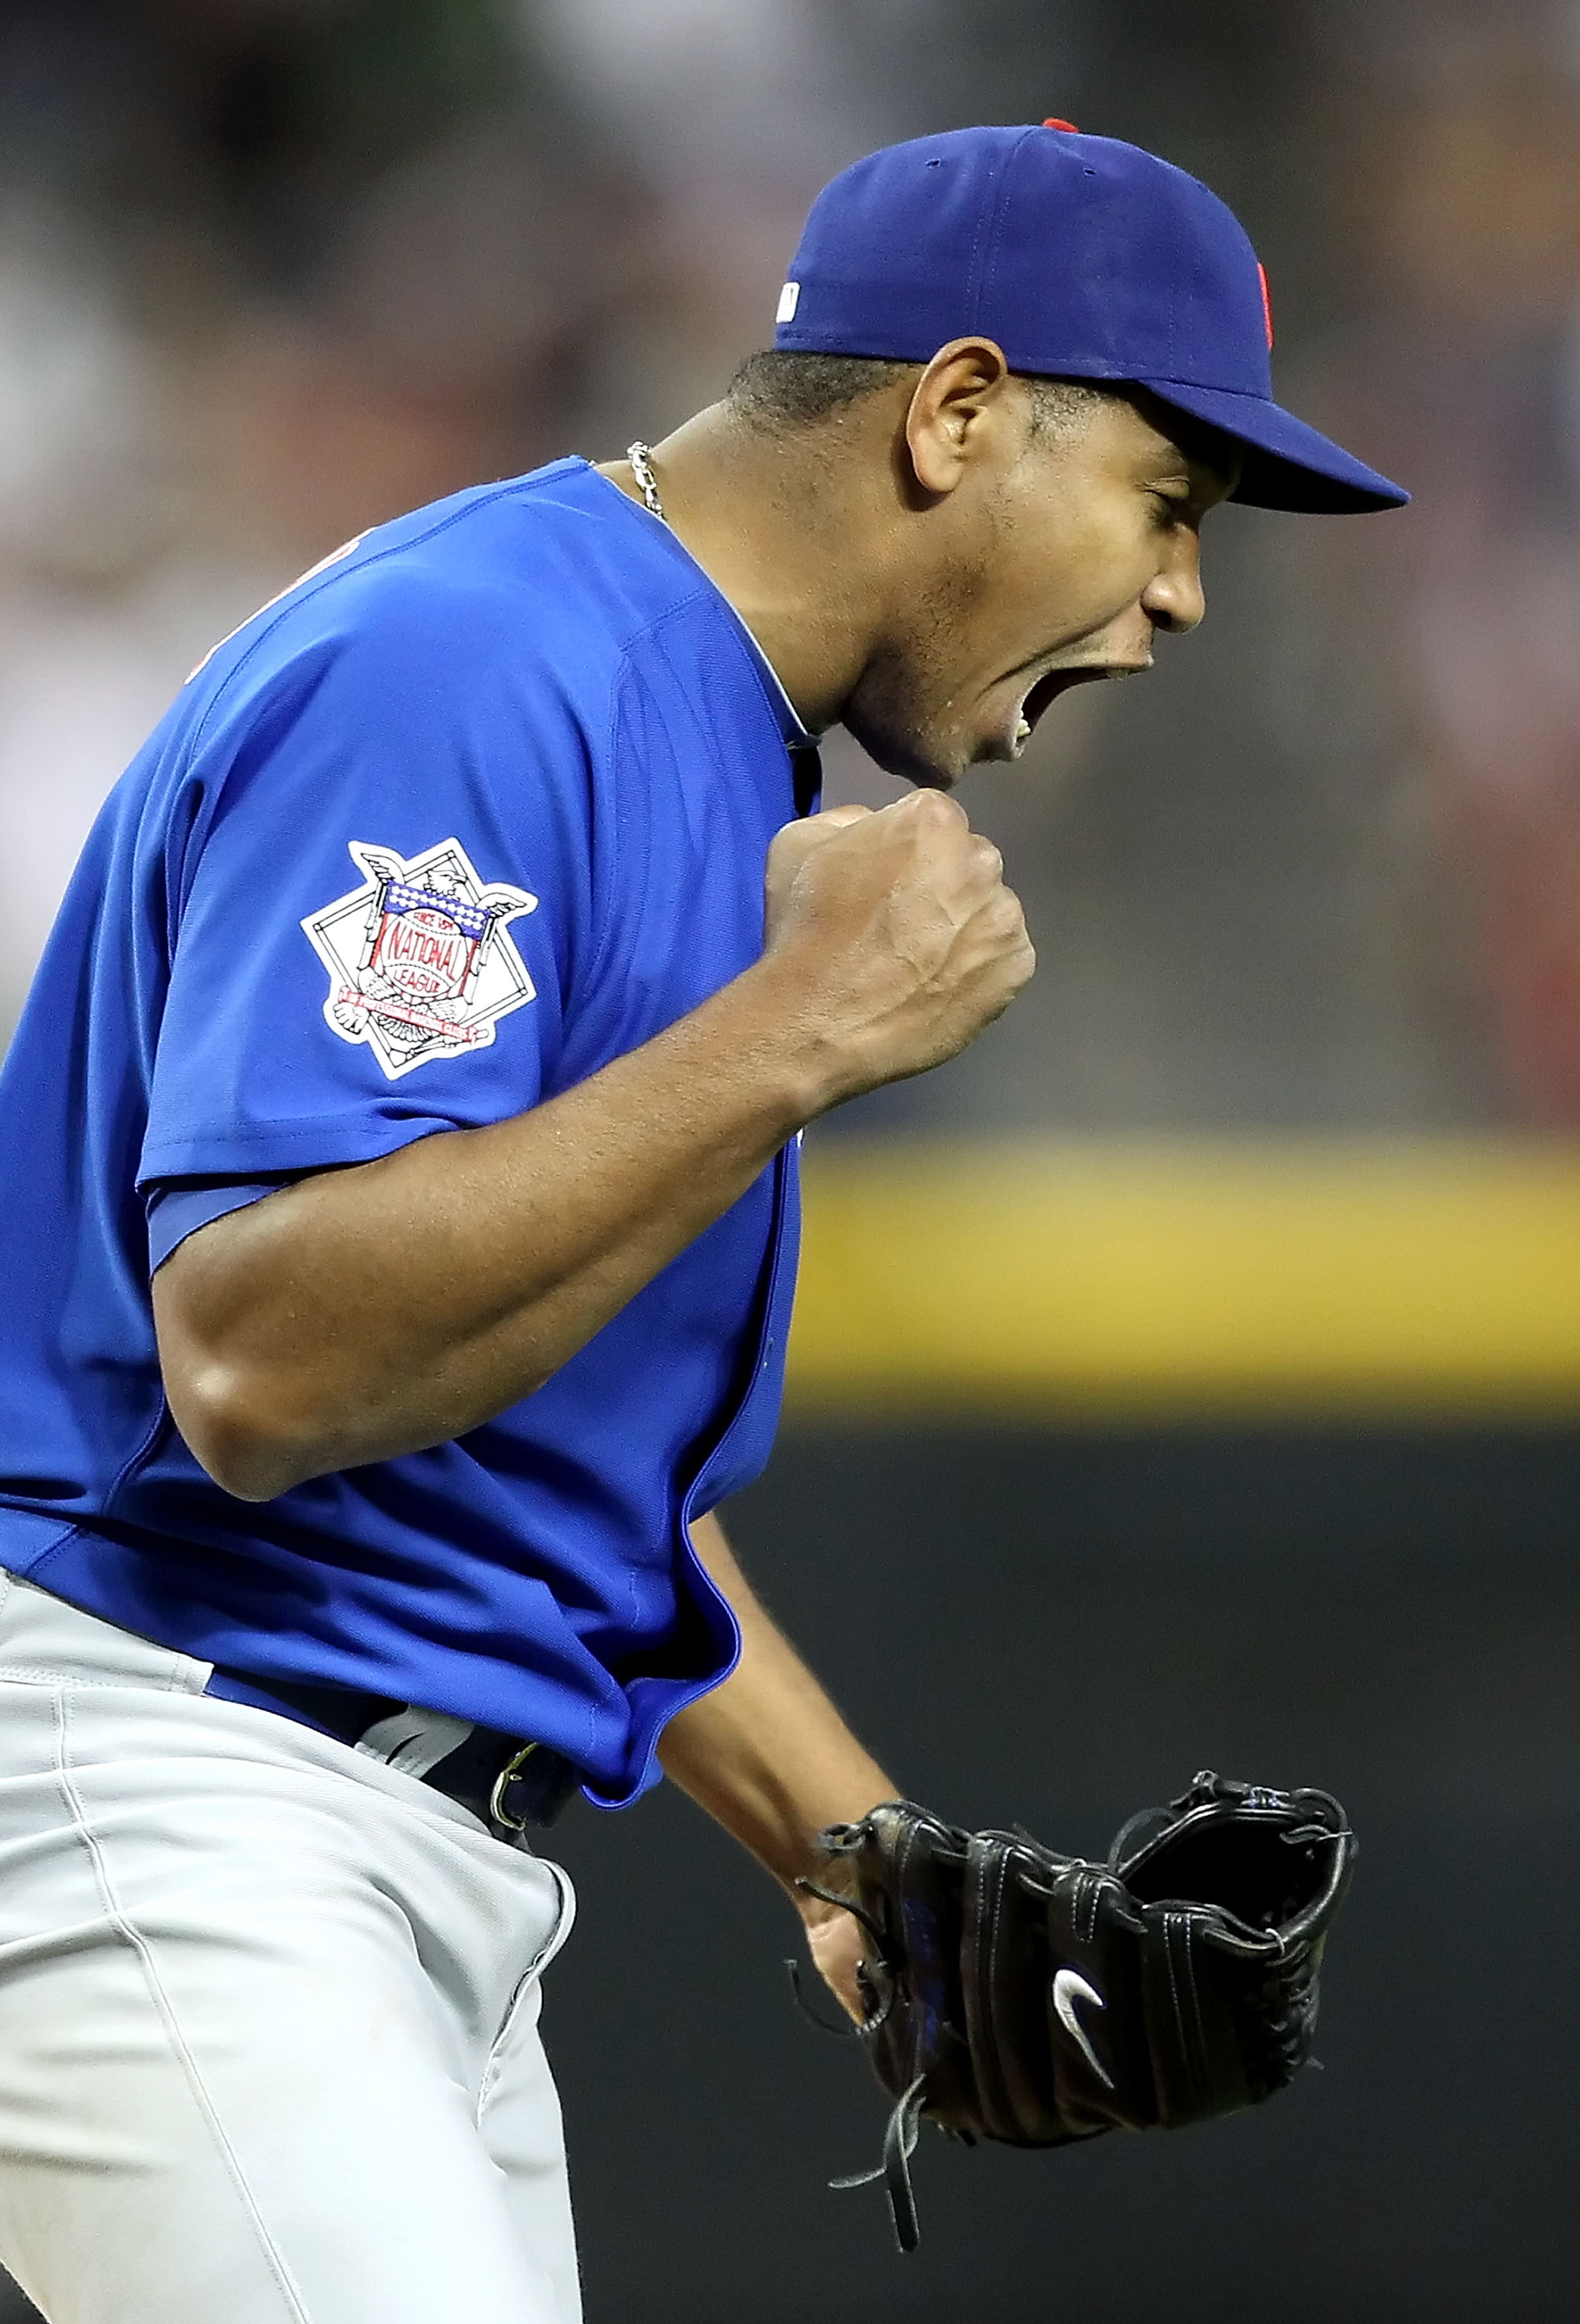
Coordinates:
(640,456)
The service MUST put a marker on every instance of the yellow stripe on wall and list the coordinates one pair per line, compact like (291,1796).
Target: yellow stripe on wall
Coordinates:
(1092,1280)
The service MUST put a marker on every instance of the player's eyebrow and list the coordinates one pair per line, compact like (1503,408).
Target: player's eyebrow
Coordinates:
(1205,480)
(1178,482)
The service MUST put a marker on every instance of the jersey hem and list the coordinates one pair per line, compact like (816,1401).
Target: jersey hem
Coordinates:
(249,1154)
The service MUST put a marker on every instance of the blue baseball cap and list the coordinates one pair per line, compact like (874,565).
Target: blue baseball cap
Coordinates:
(1084,258)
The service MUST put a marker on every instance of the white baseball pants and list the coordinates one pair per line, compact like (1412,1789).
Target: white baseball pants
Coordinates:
(269,2048)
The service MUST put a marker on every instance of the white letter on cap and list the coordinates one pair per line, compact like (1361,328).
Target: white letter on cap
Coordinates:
(789,297)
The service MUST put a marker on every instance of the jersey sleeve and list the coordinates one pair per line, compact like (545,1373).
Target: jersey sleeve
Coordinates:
(378,882)
(177,1211)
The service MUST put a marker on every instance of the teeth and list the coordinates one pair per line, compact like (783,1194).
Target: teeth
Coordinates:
(1023,731)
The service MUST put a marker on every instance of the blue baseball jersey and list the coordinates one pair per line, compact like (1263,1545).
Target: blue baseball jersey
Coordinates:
(479,805)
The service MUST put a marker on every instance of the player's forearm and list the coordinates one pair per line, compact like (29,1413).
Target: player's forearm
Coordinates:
(766,1753)
(371,1312)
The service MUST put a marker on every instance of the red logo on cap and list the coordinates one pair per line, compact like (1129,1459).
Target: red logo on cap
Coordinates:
(1266,300)
(1063,125)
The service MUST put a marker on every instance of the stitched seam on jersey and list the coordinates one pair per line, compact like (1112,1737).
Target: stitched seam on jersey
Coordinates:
(129,1936)
(134,1463)
(68,1528)
(77,1531)
(627,676)
(273,1138)
(682,694)
(738,639)
(603,935)
(134,1460)
(758,662)
(705,593)
(315,587)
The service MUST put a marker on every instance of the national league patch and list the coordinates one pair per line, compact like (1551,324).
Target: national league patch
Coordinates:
(420,965)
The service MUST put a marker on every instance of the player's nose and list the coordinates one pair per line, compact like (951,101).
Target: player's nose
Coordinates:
(1174,600)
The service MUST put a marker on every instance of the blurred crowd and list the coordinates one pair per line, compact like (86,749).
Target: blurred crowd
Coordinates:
(273,269)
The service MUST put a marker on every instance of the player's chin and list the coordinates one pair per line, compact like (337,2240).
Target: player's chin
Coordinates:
(932,761)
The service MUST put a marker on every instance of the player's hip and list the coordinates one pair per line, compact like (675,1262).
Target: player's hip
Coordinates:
(129,1794)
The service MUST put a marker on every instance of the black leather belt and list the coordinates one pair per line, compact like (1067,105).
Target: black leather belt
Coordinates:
(505,1782)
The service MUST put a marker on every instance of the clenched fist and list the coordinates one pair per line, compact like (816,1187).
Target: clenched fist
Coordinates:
(893,935)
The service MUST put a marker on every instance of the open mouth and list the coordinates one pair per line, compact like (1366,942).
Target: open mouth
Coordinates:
(1049,687)
(1043,695)
(1047,690)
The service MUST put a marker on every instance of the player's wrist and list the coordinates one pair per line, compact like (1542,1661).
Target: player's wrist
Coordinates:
(820,1880)
(798,1064)
(820,1872)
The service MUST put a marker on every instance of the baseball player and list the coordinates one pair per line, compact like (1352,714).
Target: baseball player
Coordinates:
(400,1224)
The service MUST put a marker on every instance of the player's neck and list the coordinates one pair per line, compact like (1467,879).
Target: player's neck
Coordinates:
(756,513)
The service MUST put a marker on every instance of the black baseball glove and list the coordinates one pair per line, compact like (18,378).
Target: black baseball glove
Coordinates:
(1016,1994)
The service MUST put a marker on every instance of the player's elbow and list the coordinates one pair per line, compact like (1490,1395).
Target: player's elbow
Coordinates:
(237,1396)
(224,1416)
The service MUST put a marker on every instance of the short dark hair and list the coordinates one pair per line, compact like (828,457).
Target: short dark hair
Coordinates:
(781,388)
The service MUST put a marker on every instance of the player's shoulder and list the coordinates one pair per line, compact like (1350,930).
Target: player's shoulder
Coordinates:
(546,570)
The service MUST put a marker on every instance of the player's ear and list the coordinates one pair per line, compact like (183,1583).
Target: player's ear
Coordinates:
(958,402)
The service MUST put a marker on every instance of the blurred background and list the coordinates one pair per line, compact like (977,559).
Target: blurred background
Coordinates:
(1191,1372)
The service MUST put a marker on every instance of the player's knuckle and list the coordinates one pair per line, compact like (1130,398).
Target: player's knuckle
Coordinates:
(935,811)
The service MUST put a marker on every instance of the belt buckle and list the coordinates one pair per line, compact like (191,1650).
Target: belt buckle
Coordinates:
(502,1783)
